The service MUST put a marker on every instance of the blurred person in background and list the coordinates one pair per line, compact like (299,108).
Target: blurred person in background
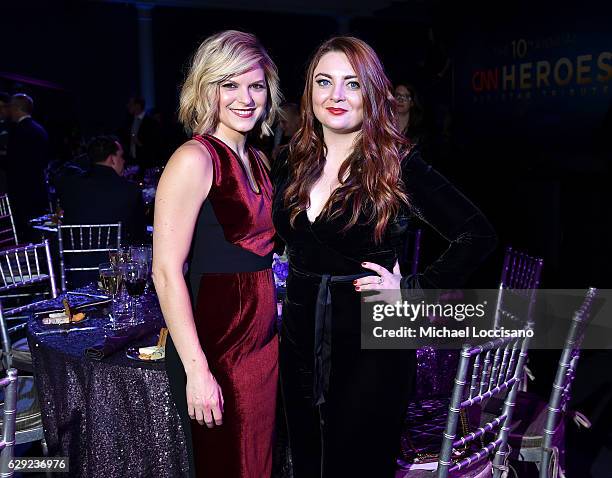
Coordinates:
(102,195)
(141,135)
(410,112)
(288,125)
(26,160)
(411,118)
(5,99)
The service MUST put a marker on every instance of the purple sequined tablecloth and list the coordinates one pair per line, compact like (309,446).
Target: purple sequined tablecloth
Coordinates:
(436,370)
(114,417)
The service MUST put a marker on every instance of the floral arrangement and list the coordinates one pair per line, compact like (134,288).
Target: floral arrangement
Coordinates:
(148,195)
(280,267)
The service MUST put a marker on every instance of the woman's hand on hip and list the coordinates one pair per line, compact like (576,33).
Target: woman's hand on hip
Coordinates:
(384,279)
(385,286)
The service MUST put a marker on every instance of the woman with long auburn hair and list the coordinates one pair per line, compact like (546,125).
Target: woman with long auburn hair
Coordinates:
(343,196)
(213,210)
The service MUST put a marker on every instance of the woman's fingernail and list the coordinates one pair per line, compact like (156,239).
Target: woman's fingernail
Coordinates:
(354,282)
(363,263)
(357,288)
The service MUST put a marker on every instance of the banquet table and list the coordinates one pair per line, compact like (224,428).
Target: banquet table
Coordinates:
(45,226)
(112,417)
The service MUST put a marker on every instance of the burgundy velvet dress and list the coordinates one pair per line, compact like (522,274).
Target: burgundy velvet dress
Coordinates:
(233,296)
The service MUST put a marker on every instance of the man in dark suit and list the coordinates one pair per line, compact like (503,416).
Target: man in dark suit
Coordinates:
(142,135)
(102,195)
(5,100)
(26,161)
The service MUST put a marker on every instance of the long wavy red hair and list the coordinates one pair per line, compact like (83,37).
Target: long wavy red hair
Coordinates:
(374,172)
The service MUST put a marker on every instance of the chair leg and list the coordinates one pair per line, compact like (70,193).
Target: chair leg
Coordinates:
(45,448)
(45,451)
(501,468)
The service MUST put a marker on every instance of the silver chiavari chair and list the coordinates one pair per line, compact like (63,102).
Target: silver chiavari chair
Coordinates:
(8,233)
(24,266)
(496,370)
(20,268)
(28,419)
(517,294)
(539,434)
(85,239)
(560,396)
(520,279)
(490,372)
(8,387)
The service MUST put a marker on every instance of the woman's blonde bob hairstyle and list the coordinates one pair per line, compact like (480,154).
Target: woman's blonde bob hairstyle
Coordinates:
(219,58)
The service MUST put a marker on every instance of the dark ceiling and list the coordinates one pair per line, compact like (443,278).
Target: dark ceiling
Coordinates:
(318,7)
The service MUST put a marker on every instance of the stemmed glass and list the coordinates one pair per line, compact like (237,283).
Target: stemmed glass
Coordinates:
(117,258)
(144,255)
(135,280)
(110,278)
(120,256)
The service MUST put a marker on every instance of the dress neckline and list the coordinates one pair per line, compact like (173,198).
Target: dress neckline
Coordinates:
(253,184)
(315,219)
(327,204)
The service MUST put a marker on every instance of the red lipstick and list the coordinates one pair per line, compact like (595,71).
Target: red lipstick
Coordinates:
(336,111)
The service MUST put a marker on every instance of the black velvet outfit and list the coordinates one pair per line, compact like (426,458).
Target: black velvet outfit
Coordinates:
(344,412)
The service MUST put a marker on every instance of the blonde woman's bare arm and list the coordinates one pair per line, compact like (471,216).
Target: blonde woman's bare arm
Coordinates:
(182,189)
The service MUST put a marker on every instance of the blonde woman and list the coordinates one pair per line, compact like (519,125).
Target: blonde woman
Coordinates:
(213,211)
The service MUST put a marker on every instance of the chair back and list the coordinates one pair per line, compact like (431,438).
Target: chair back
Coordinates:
(520,279)
(496,370)
(8,233)
(84,239)
(521,271)
(566,371)
(26,265)
(22,266)
(7,443)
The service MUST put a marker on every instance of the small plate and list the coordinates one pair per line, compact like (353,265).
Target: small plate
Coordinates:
(67,324)
(74,307)
(132,353)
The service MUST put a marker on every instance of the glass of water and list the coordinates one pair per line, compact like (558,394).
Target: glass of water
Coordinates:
(110,280)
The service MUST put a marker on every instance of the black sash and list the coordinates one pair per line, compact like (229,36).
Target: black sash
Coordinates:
(323,329)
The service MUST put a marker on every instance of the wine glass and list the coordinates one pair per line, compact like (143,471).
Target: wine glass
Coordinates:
(143,253)
(110,280)
(120,256)
(135,280)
